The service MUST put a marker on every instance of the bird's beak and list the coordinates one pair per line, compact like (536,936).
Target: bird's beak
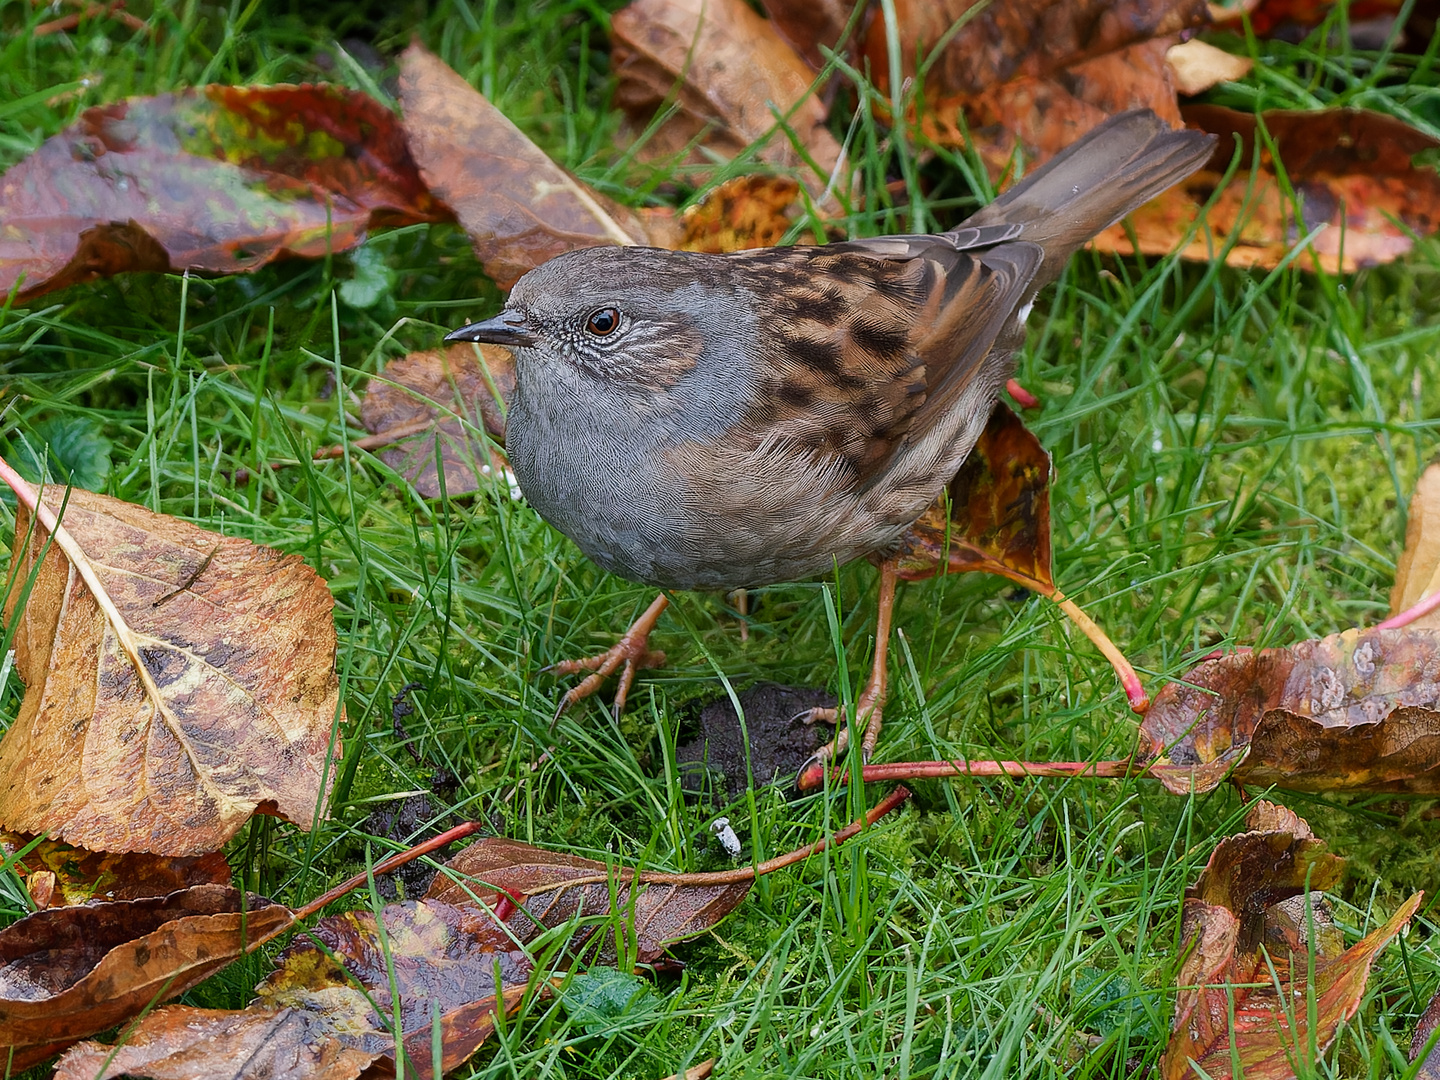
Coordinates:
(507,328)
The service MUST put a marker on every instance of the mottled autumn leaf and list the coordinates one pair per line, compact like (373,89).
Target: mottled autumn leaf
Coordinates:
(77,876)
(654,910)
(998,518)
(196,687)
(742,213)
(220,179)
(517,206)
(439,963)
(69,972)
(1348,170)
(732,77)
(1424,1029)
(1417,573)
(450,396)
(1358,711)
(184,1043)
(1250,979)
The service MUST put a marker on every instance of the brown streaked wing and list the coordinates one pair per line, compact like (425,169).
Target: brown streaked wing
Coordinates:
(844,378)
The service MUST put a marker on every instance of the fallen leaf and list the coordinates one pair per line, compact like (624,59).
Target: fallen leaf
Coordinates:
(743,212)
(517,206)
(185,1043)
(69,972)
(811,27)
(77,876)
(1350,170)
(209,691)
(732,77)
(998,519)
(219,179)
(444,967)
(1417,573)
(1424,1028)
(452,398)
(552,888)
(1358,711)
(1196,66)
(1241,999)
(1019,39)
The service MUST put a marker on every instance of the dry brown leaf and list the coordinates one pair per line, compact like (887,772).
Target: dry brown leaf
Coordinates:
(809,24)
(552,888)
(1358,711)
(1417,573)
(1247,987)
(185,1043)
(458,398)
(1018,39)
(69,972)
(228,710)
(518,207)
(734,75)
(1350,170)
(1196,66)
(72,875)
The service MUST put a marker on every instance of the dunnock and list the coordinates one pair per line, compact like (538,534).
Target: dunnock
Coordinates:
(723,421)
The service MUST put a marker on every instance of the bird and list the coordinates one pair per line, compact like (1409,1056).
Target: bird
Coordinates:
(720,422)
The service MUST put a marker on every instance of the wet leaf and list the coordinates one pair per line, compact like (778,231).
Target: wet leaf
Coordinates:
(220,179)
(596,999)
(1417,574)
(999,512)
(554,888)
(1424,1028)
(452,966)
(1346,169)
(1247,986)
(69,972)
(732,78)
(228,710)
(450,398)
(517,206)
(184,1043)
(78,876)
(1356,711)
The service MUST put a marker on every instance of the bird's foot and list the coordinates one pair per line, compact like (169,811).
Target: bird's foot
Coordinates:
(869,707)
(631,653)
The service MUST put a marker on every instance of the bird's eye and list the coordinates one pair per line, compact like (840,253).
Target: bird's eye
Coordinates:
(604,322)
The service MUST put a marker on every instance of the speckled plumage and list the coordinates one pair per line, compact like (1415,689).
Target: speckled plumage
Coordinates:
(762,416)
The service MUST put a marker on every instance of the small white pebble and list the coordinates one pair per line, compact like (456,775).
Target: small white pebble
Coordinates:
(726,835)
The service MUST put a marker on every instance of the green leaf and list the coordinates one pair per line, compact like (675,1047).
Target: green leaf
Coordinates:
(596,998)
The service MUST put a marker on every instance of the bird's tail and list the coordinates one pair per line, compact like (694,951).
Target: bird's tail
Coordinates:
(1093,183)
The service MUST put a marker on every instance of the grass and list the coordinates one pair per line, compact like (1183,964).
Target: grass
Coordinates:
(1234,453)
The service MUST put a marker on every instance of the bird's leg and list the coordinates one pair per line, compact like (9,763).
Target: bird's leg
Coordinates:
(632,650)
(870,705)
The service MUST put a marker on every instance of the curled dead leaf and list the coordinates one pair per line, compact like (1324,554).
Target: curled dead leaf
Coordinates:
(69,972)
(1358,711)
(1254,988)
(160,716)
(75,876)
(1417,573)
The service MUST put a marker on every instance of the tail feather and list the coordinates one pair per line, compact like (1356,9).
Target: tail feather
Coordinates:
(1093,183)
